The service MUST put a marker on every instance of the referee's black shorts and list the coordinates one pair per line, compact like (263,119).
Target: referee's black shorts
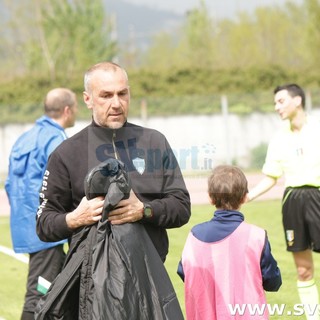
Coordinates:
(301,218)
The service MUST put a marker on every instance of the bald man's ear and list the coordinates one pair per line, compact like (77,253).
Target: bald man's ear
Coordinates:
(65,114)
(87,99)
(66,110)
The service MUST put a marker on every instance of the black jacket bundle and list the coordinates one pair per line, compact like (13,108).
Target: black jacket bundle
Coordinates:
(111,272)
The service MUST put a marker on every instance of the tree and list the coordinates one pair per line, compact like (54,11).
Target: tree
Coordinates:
(197,43)
(162,54)
(63,36)
(270,36)
(191,45)
(313,31)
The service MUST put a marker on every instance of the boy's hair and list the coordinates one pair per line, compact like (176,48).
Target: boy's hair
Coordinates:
(227,187)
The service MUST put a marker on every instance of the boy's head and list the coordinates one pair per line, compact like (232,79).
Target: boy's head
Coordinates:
(227,187)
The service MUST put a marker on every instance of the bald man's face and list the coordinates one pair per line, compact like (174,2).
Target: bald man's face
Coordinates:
(109,98)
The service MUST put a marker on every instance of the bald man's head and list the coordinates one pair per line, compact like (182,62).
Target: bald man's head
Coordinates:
(61,105)
(57,99)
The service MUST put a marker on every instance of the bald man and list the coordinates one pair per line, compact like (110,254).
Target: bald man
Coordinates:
(27,164)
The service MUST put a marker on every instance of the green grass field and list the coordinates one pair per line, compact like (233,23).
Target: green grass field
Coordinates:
(265,214)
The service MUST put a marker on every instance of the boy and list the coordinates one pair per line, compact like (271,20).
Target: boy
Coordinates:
(227,262)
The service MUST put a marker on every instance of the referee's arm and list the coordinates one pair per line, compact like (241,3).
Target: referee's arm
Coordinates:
(262,187)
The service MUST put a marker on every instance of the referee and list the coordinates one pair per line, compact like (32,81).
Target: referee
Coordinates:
(295,153)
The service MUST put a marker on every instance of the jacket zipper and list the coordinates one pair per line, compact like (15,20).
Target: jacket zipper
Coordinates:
(114,145)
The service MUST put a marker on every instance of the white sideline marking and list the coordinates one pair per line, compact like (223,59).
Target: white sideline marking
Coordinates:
(17,256)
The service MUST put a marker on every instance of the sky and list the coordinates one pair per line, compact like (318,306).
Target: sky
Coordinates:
(218,8)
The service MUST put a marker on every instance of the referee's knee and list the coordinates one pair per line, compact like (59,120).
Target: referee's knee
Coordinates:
(304,273)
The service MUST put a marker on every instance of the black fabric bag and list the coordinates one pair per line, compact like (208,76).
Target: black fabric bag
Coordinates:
(128,270)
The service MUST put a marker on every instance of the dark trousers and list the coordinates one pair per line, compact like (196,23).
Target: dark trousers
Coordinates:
(47,264)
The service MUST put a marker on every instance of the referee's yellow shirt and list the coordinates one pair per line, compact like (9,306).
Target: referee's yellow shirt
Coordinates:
(296,155)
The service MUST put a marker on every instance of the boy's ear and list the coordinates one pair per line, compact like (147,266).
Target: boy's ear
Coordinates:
(245,198)
(211,201)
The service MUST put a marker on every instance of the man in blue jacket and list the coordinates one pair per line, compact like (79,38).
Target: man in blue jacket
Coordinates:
(27,163)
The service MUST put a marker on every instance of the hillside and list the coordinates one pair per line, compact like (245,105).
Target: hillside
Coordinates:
(138,23)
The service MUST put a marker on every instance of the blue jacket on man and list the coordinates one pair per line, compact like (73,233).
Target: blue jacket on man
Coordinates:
(27,164)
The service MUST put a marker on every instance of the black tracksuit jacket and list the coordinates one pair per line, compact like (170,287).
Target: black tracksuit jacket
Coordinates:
(153,169)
